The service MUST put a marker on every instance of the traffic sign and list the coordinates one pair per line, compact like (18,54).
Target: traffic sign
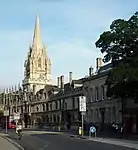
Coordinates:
(82,103)
(6,113)
(16,116)
(92,129)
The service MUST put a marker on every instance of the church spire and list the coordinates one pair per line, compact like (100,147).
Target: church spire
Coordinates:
(37,42)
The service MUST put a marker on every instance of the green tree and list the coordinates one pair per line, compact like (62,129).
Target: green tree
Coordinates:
(121,42)
(1,113)
(120,46)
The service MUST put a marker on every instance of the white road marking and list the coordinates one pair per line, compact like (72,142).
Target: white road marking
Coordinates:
(41,132)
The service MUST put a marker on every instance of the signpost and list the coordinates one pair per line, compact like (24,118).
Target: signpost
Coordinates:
(92,131)
(16,117)
(6,113)
(82,108)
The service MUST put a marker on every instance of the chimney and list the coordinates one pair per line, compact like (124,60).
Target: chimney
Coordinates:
(91,71)
(58,82)
(62,81)
(70,77)
(98,63)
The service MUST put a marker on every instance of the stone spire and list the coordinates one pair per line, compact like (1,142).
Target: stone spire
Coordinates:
(37,41)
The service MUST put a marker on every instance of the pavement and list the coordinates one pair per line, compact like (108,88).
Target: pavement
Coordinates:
(48,140)
(119,142)
(7,144)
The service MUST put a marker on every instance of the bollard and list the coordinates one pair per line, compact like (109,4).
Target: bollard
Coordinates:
(80,131)
(58,128)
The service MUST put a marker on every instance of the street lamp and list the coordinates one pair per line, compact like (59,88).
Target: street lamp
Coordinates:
(26,112)
(6,113)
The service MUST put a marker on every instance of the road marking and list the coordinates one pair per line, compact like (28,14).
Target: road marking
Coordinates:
(41,132)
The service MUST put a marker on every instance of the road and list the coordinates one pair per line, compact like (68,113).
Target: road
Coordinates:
(40,140)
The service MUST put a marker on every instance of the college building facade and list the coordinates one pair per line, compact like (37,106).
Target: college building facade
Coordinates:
(39,102)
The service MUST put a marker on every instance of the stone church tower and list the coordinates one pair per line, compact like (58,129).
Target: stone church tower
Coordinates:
(37,65)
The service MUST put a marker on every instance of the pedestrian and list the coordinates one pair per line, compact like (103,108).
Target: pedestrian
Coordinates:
(122,130)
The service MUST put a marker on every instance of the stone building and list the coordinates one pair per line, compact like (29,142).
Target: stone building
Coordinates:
(101,109)
(57,105)
(38,101)
(106,110)
(37,65)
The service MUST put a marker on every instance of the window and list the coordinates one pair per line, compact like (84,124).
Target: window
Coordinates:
(59,104)
(97,115)
(78,102)
(47,107)
(114,113)
(73,102)
(45,95)
(56,105)
(63,102)
(86,91)
(39,62)
(43,107)
(91,116)
(65,105)
(51,106)
(37,108)
(109,114)
(91,94)
(96,93)
(103,92)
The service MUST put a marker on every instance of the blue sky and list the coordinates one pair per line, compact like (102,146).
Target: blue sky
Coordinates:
(69,30)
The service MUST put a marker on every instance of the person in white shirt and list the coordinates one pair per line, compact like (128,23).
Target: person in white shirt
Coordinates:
(19,128)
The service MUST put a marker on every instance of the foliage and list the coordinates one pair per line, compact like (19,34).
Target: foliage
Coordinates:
(121,41)
(1,112)
(120,46)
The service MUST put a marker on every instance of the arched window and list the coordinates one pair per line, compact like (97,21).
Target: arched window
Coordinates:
(43,107)
(37,108)
(39,62)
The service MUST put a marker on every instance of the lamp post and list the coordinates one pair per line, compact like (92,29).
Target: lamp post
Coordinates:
(25,113)
(6,113)
(6,118)
(21,100)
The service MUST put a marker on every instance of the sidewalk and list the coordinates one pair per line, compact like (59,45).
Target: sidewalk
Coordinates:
(119,142)
(6,145)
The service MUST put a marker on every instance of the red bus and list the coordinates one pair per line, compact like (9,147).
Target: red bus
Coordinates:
(11,124)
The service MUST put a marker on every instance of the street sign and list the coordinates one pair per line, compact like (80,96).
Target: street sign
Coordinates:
(16,116)
(6,113)
(92,129)
(82,103)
